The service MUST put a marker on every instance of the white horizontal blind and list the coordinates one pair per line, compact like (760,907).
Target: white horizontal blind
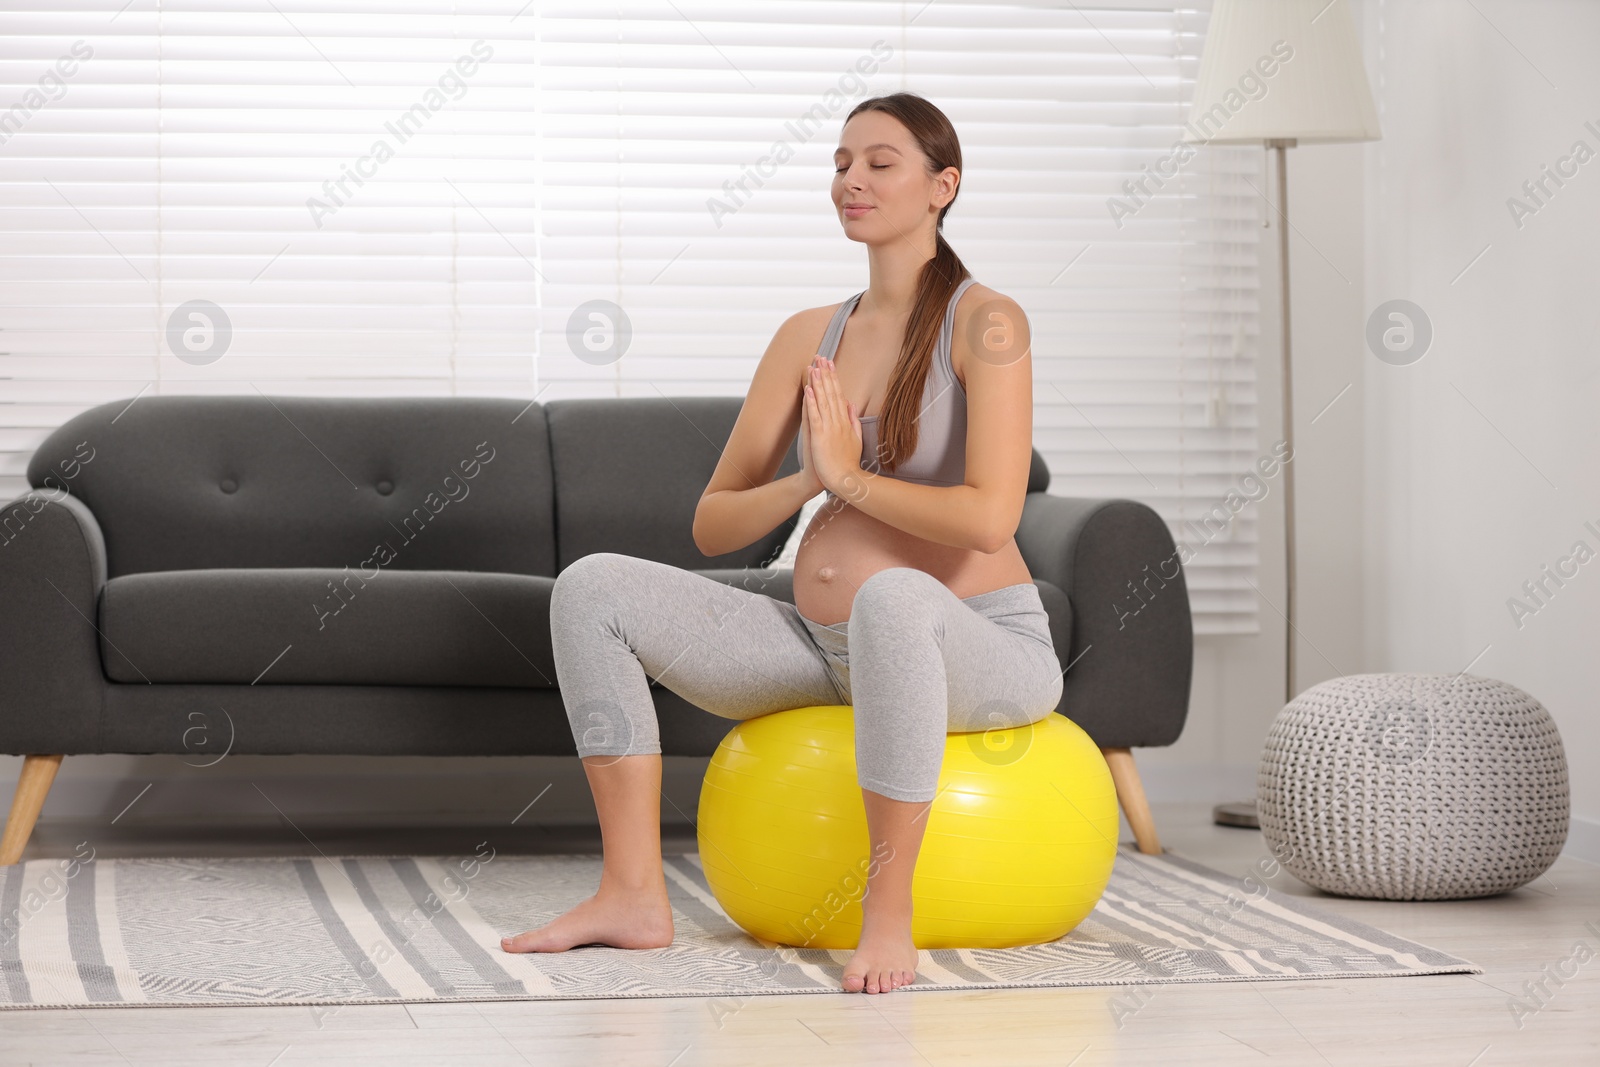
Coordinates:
(671,159)
(351,184)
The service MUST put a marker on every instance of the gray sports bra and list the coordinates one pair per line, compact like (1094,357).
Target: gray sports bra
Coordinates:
(941,454)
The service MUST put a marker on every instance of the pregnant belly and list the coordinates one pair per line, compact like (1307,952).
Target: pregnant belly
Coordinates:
(843,547)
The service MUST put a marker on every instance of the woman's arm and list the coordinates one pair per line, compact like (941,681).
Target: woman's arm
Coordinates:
(729,519)
(957,515)
(743,502)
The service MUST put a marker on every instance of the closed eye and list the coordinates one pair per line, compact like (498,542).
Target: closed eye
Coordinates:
(874,166)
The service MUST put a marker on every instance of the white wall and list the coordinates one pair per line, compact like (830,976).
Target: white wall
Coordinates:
(1482,457)
(1423,494)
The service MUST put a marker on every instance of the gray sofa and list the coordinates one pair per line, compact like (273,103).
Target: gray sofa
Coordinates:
(199,574)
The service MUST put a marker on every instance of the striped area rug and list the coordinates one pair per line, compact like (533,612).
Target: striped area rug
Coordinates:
(376,930)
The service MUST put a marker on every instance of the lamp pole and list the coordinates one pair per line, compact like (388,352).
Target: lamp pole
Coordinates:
(1243,813)
(1279,144)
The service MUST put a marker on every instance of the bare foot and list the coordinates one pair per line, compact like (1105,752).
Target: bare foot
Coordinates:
(623,920)
(885,958)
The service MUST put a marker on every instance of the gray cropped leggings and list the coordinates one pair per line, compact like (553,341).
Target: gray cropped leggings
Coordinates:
(925,662)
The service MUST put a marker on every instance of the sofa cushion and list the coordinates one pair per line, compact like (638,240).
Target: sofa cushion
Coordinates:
(312,625)
(412,483)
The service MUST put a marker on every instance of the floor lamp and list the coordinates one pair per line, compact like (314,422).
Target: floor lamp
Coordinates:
(1280,73)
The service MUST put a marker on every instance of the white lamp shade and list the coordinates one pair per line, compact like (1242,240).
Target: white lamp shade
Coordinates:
(1281,69)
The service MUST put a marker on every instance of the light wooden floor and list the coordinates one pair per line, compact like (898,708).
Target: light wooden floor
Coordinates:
(1451,1020)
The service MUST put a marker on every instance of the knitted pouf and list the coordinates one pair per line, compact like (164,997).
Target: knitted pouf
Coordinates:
(1414,787)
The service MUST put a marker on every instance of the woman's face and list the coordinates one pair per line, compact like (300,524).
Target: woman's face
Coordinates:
(879,166)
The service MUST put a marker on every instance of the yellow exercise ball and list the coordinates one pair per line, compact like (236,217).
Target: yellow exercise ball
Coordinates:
(1017,850)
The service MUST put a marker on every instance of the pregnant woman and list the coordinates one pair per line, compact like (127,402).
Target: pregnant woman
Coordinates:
(912,600)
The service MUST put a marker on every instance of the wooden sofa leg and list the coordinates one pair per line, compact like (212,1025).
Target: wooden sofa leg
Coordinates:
(32,786)
(1131,792)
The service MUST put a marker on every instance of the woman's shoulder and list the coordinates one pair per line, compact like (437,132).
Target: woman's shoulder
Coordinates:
(822,314)
(800,335)
(978,294)
(978,300)
(808,325)
(980,311)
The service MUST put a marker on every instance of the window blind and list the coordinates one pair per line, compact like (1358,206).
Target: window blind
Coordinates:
(579,199)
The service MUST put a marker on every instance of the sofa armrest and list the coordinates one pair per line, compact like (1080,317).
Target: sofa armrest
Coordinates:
(52,569)
(1132,652)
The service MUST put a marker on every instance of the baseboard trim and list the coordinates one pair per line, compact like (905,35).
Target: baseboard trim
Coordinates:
(1583,840)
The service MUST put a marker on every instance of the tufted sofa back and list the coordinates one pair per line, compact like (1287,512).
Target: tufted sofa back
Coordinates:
(197,482)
